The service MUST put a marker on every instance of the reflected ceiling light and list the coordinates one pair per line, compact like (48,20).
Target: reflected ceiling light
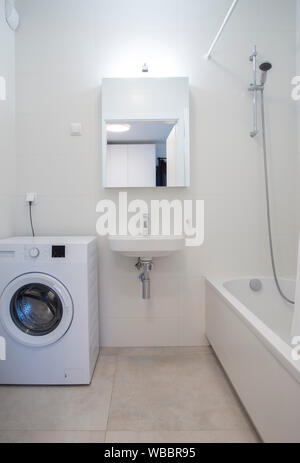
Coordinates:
(118,128)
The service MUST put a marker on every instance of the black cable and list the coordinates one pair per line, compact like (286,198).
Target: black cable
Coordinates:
(31,221)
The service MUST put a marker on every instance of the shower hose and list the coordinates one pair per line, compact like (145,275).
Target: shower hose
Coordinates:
(268,202)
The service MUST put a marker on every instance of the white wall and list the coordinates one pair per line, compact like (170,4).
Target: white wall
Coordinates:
(7,133)
(297,104)
(63,50)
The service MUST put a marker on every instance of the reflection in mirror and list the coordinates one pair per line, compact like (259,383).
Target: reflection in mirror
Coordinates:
(141,153)
(145,132)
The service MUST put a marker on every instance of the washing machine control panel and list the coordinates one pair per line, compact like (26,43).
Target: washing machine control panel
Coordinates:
(37,252)
(58,252)
(45,253)
(34,253)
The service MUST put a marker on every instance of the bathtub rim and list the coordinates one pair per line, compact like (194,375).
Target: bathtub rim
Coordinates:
(277,346)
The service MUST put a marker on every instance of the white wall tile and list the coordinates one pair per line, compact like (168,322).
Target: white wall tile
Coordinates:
(143,332)
(297,108)
(7,127)
(64,49)
(192,312)
(126,299)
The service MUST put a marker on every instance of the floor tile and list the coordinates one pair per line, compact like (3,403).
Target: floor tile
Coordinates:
(173,392)
(155,351)
(81,408)
(184,437)
(52,437)
(148,395)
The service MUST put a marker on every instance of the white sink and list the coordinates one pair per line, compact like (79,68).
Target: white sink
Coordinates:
(146,247)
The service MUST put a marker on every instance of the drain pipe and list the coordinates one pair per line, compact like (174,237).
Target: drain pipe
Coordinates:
(146,266)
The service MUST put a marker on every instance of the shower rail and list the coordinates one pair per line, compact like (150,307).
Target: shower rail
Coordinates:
(227,17)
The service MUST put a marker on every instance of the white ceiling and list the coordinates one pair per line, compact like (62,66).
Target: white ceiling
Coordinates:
(143,132)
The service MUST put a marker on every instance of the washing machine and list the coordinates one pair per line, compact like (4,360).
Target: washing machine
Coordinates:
(49,310)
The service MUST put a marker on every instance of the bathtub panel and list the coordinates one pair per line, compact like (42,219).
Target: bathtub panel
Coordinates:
(268,391)
(296,320)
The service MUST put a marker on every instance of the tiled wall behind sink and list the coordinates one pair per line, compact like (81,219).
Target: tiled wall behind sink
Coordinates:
(64,49)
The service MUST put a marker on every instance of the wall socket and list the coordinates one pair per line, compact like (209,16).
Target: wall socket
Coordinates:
(31,198)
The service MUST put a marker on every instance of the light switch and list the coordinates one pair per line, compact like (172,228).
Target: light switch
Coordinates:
(76,129)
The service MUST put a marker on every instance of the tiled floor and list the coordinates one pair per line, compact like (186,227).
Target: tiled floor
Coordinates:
(165,395)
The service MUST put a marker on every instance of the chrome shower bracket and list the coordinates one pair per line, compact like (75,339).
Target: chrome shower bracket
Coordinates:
(253,88)
(146,266)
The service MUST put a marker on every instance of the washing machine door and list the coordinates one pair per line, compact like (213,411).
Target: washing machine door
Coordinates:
(36,309)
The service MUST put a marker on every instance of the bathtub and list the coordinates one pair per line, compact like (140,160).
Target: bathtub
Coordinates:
(250,333)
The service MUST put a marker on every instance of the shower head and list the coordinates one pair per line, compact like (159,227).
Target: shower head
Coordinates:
(264,67)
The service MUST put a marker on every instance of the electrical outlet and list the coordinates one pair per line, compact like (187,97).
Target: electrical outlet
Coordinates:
(31,198)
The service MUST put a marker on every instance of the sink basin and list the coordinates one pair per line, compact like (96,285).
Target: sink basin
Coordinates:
(146,247)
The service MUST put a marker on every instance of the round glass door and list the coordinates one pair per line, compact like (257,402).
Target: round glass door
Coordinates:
(36,309)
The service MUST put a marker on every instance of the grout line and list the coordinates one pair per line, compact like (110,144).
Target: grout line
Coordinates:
(238,428)
(112,393)
(139,431)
